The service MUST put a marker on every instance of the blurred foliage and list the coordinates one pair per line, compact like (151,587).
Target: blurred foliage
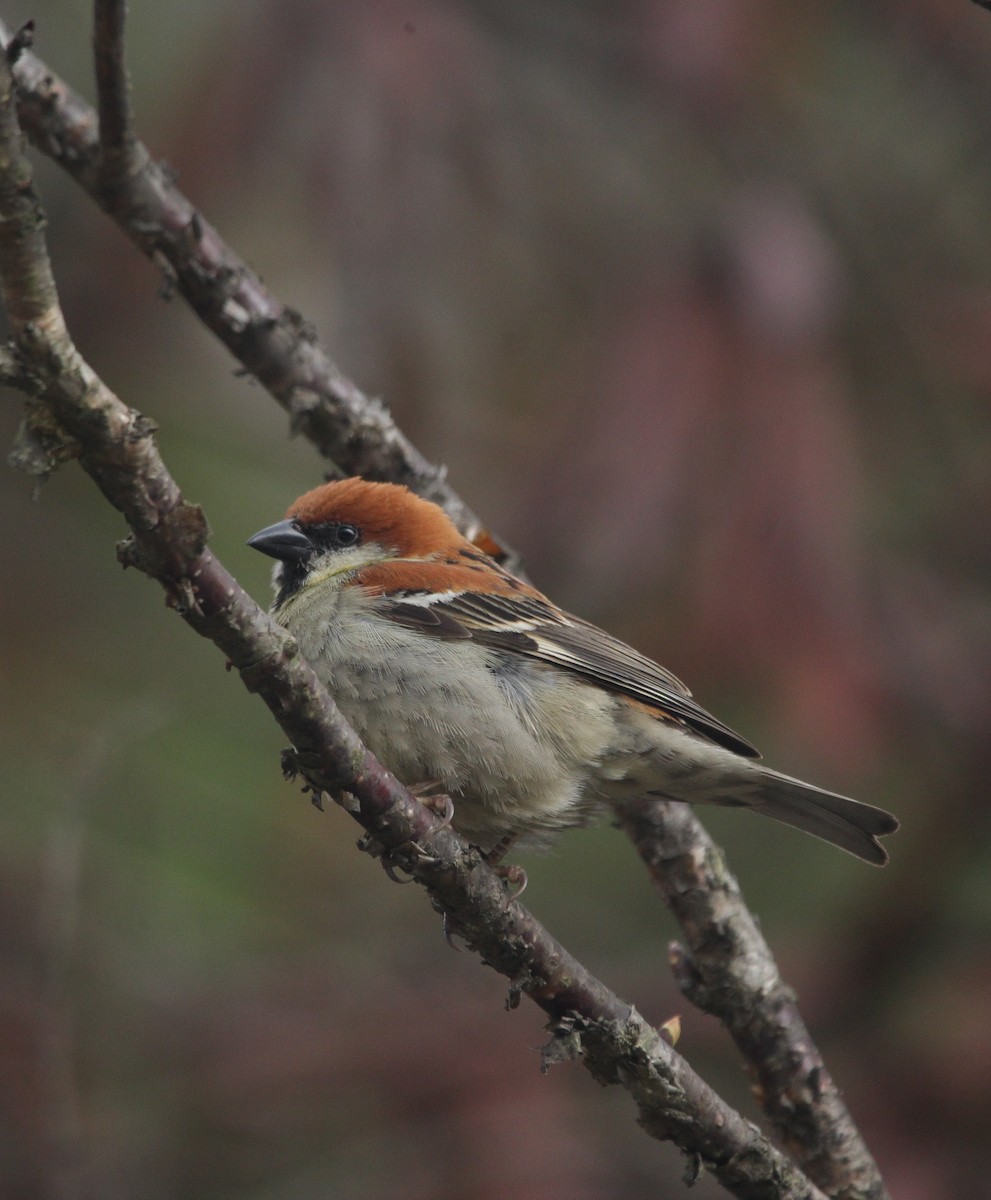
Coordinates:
(694,299)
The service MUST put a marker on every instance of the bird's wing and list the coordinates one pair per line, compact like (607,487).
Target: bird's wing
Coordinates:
(526,623)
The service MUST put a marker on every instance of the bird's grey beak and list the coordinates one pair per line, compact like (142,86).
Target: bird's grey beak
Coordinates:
(284,541)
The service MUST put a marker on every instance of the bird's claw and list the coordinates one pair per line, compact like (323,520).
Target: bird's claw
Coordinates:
(449,933)
(441,806)
(390,870)
(390,866)
(514,880)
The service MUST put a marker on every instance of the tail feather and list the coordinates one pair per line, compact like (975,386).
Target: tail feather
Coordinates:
(852,826)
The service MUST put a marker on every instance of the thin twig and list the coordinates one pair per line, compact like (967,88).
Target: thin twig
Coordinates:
(119,157)
(116,447)
(728,970)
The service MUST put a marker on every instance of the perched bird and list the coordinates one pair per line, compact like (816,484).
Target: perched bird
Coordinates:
(459,675)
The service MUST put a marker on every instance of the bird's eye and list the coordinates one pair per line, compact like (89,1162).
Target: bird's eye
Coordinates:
(347,535)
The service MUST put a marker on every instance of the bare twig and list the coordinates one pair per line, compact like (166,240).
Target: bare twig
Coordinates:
(120,155)
(168,541)
(728,970)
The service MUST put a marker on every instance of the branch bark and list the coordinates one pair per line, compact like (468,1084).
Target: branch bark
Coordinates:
(119,157)
(728,970)
(115,445)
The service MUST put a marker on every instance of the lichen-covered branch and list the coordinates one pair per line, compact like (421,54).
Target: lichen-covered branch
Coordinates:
(116,446)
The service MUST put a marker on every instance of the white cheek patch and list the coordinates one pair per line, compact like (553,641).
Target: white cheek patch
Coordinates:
(344,562)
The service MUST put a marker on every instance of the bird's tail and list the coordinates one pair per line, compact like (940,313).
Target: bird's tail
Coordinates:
(846,823)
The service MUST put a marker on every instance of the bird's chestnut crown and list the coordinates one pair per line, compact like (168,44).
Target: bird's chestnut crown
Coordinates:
(385,513)
(347,515)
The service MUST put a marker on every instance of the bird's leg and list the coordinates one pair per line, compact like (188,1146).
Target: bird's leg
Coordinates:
(442,806)
(498,852)
(423,788)
(513,877)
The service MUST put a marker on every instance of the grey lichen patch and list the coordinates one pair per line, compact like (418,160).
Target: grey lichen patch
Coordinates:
(169,551)
(302,403)
(188,531)
(41,445)
(565,1044)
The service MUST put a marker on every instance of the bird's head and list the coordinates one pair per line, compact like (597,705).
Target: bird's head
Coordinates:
(339,529)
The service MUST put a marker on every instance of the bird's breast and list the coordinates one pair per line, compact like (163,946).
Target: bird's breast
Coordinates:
(515,743)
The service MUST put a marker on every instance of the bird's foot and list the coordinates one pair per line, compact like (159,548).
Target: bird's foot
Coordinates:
(514,879)
(441,806)
(438,802)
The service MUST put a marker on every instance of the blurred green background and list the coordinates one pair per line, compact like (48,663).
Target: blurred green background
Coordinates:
(693,297)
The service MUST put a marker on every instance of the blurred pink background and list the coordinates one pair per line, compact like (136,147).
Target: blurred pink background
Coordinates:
(693,298)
